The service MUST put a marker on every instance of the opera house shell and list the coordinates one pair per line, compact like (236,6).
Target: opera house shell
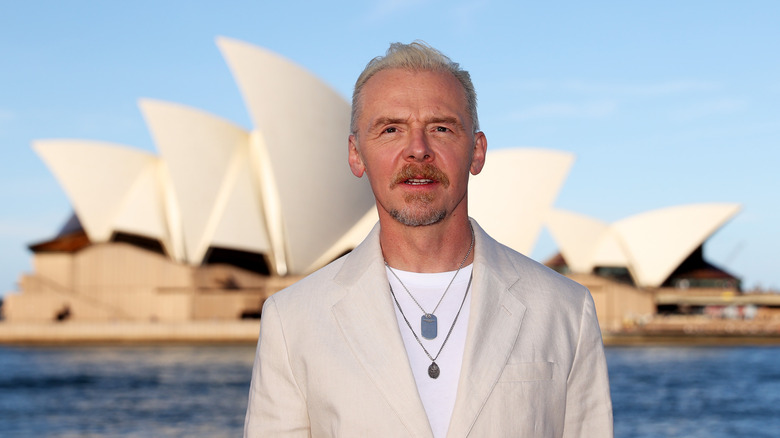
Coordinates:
(221,217)
(649,246)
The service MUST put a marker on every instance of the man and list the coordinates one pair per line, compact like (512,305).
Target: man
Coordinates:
(429,328)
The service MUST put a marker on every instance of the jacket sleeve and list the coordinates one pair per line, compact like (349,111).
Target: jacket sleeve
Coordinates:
(588,400)
(277,407)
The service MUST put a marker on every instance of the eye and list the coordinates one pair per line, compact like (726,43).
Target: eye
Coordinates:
(441,129)
(390,130)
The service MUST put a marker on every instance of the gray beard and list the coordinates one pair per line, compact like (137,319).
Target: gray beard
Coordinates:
(426,218)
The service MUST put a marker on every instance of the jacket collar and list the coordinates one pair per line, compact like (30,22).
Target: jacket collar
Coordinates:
(367,320)
(496,315)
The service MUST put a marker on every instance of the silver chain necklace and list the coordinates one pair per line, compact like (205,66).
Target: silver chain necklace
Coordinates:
(429,326)
(433,368)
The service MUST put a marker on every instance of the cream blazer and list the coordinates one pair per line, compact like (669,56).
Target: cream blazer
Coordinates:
(331,363)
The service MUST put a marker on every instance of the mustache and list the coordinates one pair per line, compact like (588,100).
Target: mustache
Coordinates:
(421,171)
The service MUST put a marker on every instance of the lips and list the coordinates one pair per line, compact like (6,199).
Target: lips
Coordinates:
(418,182)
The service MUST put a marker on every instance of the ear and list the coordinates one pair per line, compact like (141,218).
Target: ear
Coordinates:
(478,157)
(355,160)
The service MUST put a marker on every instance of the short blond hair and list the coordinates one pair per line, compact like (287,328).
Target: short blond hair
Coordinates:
(415,56)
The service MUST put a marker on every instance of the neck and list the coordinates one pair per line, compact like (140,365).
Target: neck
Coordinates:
(432,248)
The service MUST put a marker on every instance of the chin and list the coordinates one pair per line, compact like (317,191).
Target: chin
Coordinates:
(418,219)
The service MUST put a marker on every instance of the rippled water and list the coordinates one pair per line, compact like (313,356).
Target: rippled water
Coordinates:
(200,391)
(127,391)
(695,392)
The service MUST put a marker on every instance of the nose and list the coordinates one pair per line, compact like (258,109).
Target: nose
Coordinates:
(418,147)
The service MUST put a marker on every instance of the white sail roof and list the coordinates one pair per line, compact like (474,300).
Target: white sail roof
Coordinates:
(111,187)
(216,184)
(304,126)
(650,245)
(515,191)
(209,166)
(657,242)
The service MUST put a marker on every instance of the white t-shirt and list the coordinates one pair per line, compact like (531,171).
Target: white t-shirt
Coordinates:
(438,395)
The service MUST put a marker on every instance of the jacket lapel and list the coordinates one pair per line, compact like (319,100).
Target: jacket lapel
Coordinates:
(368,323)
(494,324)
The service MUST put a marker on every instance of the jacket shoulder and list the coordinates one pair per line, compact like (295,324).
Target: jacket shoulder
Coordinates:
(546,283)
(527,265)
(313,288)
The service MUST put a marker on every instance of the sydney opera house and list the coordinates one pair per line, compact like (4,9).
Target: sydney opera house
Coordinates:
(221,217)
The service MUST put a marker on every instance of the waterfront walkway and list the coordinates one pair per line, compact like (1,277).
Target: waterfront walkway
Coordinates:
(244,331)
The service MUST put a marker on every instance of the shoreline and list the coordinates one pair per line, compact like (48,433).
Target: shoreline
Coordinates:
(672,339)
(67,333)
(246,332)
(697,331)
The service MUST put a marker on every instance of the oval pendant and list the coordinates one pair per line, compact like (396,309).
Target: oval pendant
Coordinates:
(433,370)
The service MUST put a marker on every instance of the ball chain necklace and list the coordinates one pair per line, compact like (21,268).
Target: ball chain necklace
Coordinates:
(429,326)
(433,368)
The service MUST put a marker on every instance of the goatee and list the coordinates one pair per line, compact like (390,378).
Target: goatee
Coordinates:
(417,212)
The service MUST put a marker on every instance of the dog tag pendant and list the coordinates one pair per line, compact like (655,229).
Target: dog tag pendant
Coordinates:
(428,326)
(433,370)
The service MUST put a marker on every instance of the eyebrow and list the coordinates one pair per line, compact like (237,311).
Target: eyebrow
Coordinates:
(382,121)
(387,121)
(449,120)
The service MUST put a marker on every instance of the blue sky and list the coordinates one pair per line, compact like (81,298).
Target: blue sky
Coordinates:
(663,103)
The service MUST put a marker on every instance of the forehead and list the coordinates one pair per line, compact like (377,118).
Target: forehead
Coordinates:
(411,91)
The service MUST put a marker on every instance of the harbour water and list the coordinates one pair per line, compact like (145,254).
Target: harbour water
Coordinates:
(200,391)
(695,392)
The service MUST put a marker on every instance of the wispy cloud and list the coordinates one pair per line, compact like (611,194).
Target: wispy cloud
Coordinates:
(384,8)
(702,110)
(6,117)
(621,89)
(461,13)
(588,110)
(464,12)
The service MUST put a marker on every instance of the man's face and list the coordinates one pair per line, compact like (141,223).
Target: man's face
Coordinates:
(415,140)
